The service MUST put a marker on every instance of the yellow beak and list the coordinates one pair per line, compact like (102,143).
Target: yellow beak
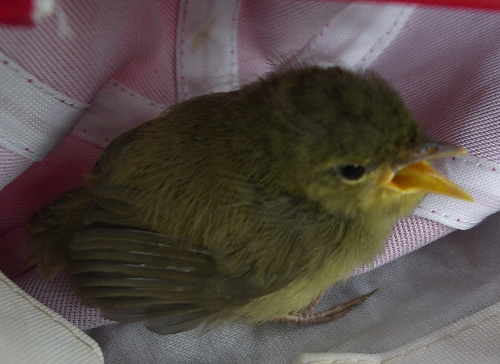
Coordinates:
(419,176)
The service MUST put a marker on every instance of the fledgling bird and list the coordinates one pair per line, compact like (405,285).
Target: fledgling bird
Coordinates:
(243,205)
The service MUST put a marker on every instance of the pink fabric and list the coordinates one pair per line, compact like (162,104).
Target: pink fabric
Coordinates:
(77,50)
(62,170)
(130,46)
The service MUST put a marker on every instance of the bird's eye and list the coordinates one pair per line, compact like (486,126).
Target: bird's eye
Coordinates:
(352,171)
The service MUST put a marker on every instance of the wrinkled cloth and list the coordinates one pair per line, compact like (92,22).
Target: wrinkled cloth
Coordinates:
(93,70)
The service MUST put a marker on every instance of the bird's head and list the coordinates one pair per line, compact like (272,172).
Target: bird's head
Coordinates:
(347,142)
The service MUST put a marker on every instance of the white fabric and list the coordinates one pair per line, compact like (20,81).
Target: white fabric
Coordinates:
(42,9)
(357,35)
(480,178)
(12,166)
(207,47)
(116,109)
(32,333)
(34,117)
(471,340)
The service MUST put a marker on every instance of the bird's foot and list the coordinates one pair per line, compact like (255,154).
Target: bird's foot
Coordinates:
(308,316)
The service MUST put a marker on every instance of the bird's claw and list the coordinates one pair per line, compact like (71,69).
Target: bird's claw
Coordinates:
(308,316)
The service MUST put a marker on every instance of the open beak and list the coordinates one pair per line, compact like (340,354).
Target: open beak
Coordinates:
(418,175)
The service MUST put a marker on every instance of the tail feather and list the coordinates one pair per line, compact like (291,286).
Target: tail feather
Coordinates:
(52,229)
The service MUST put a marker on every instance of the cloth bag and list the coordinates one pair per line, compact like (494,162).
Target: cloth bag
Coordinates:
(86,72)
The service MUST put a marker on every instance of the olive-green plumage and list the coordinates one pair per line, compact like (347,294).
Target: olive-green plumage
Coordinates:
(239,205)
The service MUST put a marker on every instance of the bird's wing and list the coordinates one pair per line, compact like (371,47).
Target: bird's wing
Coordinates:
(133,274)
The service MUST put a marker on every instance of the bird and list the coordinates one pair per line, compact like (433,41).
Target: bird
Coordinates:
(244,205)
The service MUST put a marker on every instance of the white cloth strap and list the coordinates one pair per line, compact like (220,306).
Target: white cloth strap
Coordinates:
(206,50)
(34,117)
(32,333)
